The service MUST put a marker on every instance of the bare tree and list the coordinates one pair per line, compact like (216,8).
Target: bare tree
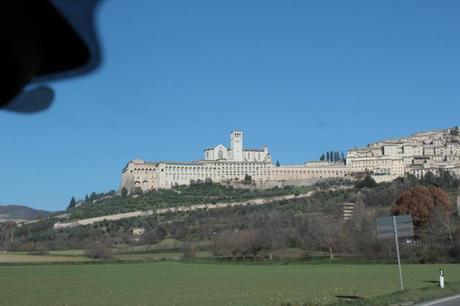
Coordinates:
(153,236)
(360,237)
(440,227)
(273,232)
(323,232)
(101,249)
(7,229)
(246,242)
(189,250)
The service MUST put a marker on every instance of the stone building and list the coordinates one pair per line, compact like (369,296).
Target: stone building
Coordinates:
(223,164)
(309,170)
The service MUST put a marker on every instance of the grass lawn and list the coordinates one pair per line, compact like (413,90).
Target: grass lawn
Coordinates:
(176,283)
(68,252)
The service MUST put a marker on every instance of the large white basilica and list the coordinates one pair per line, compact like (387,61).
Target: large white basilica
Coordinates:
(236,152)
(223,164)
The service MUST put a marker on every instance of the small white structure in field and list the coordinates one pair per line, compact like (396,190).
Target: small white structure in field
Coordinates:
(138,231)
(441,278)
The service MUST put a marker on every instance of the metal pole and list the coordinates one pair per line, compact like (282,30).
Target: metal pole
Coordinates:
(397,252)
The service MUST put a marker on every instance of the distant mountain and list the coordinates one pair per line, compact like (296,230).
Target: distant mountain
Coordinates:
(19,212)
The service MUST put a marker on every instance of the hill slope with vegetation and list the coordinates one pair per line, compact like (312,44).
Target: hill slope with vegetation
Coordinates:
(21,212)
(202,193)
(298,226)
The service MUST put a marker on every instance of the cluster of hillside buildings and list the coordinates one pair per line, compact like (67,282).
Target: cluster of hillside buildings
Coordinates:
(384,160)
(416,154)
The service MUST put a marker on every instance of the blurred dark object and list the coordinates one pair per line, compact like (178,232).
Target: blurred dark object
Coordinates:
(31,101)
(43,40)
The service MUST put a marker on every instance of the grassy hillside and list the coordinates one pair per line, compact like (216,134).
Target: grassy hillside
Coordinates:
(21,212)
(196,225)
(180,196)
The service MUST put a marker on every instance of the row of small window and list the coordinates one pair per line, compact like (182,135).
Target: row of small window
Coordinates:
(222,170)
(217,174)
(216,169)
(372,162)
(143,170)
(199,169)
(185,177)
(310,174)
(306,172)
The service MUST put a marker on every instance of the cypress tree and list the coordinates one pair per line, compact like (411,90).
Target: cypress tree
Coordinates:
(72,203)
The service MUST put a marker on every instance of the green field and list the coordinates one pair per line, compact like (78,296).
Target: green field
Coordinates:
(175,283)
(68,252)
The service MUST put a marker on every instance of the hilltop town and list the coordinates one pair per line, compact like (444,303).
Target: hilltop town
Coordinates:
(383,160)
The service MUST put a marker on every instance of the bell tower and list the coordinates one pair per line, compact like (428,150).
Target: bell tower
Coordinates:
(236,144)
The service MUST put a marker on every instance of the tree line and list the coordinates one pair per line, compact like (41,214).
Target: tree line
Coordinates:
(332,156)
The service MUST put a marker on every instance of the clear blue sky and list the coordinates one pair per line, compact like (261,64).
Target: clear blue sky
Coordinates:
(178,76)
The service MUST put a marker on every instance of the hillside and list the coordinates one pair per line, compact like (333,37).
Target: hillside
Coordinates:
(205,193)
(287,217)
(20,212)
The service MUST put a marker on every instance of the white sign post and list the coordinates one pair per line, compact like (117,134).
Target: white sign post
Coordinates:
(397,227)
(441,278)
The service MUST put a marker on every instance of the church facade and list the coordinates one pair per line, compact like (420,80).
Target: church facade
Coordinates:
(224,164)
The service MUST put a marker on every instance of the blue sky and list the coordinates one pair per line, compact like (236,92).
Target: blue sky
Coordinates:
(301,76)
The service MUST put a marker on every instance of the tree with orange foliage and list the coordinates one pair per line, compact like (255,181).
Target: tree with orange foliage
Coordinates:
(421,202)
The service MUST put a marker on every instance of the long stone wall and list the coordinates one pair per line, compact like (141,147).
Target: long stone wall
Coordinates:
(115,217)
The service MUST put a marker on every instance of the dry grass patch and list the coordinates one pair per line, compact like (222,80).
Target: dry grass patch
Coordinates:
(25,258)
